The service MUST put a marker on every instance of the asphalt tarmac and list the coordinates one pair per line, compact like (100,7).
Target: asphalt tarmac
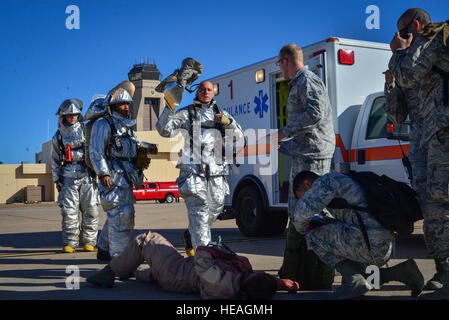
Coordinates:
(32,266)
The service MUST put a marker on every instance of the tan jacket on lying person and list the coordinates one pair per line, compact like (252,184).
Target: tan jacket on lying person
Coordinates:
(213,272)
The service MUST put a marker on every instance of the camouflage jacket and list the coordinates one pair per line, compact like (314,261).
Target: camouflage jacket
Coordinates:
(415,68)
(403,102)
(309,118)
(323,190)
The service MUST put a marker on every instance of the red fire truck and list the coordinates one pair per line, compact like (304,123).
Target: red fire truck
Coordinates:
(161,191)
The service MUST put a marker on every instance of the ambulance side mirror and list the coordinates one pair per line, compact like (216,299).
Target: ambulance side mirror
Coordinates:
(398,131)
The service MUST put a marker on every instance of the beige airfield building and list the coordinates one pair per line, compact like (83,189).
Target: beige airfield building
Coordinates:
(28,182)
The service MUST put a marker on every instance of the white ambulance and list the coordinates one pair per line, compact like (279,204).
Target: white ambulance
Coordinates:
(256,97)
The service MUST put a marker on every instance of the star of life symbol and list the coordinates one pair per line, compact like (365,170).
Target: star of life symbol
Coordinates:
(261,105)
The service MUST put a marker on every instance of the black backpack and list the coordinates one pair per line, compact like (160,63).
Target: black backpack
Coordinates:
(393,204)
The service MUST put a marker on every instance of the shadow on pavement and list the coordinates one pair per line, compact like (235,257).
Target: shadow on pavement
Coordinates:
(53,240)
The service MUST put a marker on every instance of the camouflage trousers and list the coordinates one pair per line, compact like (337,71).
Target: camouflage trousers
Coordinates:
(436,205)
(292,253)
(418,159)
(338,241)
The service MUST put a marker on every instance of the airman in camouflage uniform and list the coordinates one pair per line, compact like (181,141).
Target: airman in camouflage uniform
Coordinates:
(339,242)
(417,67)
(310,124)
(400,103)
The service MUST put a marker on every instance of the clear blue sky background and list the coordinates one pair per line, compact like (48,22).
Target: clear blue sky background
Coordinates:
(42,62)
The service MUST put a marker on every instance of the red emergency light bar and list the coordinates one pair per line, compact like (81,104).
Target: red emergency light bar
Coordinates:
(346,56)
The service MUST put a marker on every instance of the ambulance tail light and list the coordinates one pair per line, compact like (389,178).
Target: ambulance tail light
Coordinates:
(346,56)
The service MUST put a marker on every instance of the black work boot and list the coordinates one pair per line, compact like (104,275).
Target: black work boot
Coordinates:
(435,283)
(353,283)
(187,239)
(103,255)
(406,272)
(440,294)
(104,278)
(443,292)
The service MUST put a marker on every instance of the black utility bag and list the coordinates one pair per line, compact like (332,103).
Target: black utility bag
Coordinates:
(304,266)
(393,204)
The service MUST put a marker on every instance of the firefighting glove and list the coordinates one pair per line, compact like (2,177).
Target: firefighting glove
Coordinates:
(288,285)
(153,149)
(59,186)
(143,161)
(224,120)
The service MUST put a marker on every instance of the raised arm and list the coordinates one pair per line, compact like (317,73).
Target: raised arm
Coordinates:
(409,68)
(170,121)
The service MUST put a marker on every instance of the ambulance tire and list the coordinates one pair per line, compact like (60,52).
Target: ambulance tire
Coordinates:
(251,217)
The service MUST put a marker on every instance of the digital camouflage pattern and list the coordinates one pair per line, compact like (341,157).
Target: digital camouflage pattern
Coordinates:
(341,238)
(400,103)
(312,147)
(309,118)
(436,208)
(415,68)
(320,167)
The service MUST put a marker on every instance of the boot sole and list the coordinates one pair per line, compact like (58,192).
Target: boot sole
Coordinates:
(433,285)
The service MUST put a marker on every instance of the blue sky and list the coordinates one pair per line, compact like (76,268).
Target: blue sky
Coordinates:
(42,62)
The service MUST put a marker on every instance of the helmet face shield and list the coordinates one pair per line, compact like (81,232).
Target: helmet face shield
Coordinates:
(120,96)
(70,106)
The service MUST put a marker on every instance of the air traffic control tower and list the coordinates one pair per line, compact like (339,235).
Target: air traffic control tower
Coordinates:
(148,104)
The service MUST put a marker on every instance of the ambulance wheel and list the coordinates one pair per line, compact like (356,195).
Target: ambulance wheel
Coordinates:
(252,220)
(169,198)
